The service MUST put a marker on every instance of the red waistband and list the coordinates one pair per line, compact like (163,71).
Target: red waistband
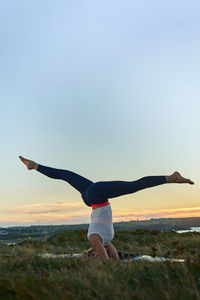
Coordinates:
(100,204)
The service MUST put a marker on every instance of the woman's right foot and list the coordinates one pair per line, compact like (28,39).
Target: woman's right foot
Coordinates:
(176,177)
(29,163)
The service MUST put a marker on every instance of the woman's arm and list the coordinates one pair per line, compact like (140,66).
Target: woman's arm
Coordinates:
(95,241)
(111,251)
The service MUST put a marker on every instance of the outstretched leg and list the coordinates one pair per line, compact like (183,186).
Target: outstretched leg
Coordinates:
(80,183)
(102,190)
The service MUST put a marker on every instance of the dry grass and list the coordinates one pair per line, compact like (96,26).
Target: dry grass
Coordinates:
(24,275)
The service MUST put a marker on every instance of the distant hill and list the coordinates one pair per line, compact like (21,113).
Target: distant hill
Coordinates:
(42,231)
(160,224)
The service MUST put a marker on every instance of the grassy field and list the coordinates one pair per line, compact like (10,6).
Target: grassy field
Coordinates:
(25,275)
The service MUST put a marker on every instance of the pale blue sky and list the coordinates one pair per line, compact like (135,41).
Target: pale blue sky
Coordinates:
(108,89)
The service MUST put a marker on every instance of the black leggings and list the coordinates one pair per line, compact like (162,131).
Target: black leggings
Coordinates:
(99,192)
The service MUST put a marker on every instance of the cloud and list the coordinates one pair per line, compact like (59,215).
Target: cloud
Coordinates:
(76,213)
(158,213)
(43,213)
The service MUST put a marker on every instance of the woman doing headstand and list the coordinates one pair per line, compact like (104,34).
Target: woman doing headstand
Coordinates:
(96,195)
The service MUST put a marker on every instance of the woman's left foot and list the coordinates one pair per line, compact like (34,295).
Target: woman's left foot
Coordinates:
(29,163)
(176,177)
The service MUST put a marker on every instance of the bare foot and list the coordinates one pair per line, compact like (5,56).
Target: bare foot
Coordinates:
(29,163)
(176,177)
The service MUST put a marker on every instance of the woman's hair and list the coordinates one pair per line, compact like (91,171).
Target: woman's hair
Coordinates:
(90,252)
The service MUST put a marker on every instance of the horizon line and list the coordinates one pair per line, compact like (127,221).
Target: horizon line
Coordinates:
(75,224)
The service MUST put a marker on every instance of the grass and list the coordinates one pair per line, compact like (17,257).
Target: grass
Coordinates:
(25,275)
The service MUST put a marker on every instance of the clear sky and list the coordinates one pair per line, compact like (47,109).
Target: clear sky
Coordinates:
(107,89)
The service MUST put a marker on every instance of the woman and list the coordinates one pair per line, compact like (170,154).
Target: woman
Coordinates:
(96,195)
